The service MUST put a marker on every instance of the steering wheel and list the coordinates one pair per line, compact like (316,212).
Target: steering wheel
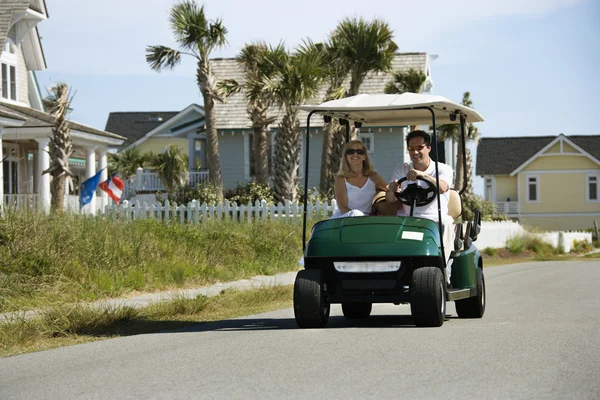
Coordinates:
(421,196)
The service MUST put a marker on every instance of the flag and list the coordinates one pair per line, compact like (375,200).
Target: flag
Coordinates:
(114,187)
(88,188)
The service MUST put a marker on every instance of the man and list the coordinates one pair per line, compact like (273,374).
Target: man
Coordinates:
(421,165)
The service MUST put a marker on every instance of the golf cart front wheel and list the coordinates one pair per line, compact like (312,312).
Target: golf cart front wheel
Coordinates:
(473,307)
(428,297)
(311,308)
(356,310)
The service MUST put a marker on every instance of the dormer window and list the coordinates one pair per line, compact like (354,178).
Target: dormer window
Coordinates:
(8,70)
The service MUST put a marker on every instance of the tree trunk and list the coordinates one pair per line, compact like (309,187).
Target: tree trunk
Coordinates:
(458,184)
(212,146)
(57,190)
(261,155)
(327,173)
(287,158)
(469,168)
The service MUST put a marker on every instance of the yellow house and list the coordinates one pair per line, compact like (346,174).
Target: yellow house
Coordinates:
(549,182)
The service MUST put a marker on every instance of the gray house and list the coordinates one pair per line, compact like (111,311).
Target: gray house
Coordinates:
(385,144)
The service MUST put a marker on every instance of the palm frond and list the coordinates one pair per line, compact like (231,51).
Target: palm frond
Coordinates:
(188,23)
(162,57)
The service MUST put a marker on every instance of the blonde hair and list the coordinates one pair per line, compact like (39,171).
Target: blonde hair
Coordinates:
(345,169)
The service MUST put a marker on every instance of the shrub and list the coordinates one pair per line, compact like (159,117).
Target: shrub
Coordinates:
(472,202)
(249,193)
(490,251)
(517,244)
(315,194)
(204,192)
(581,246)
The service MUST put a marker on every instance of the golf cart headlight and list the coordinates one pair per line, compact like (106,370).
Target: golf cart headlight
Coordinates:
(356,266)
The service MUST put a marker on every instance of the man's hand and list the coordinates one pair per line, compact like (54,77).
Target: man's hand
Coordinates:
(413,174)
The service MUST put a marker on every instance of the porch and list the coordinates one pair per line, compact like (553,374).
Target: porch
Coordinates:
(508,208)
(149,182)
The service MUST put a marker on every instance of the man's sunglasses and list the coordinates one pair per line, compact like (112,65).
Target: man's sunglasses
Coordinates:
(360,152)
(416,148)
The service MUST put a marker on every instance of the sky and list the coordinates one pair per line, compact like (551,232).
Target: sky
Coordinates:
(529,65)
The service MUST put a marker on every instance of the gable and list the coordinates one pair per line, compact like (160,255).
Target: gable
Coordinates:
(561,162)
(507,156)
(177,124)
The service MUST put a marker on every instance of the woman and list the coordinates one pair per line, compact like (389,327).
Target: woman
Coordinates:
(356,182)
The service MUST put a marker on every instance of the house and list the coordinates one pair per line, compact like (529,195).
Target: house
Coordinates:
(549,182)
(385,144)
(25,127)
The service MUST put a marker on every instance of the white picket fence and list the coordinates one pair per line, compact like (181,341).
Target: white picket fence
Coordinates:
(194,212)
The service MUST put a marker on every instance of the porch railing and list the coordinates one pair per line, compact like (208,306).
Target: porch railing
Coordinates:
(507,207)
(147,181)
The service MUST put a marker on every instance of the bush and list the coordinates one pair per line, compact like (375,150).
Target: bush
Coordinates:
(581,246)
(490,251)
(472,202)
(249,193)
(519,244)
(204,192)
(315,194)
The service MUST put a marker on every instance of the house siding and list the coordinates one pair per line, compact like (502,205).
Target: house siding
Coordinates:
(507,187)
(558,223)
(231,159)
(157,145)
(559,193)
(563,162)
(7,8)
(389,149)
(22,85)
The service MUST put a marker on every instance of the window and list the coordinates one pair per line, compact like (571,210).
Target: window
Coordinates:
(488,189)
(533,189)
(368,139)
(8,65)
(591,187)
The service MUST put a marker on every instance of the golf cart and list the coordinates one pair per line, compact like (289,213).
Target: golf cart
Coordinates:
(358,261)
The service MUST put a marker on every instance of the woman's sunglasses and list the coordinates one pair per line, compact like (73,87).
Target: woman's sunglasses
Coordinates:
(360,152)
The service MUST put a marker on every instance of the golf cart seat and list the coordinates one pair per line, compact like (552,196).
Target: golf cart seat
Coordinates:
(381,207)
(454,204)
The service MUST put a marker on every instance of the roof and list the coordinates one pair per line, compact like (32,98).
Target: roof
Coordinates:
(502,156)
(35,118)
(395,109)
(7,8)
(232,114)
(134,125)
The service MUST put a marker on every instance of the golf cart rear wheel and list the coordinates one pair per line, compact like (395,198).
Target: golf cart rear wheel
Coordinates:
(356,310)
(311,308)
(473,307)
(428,297)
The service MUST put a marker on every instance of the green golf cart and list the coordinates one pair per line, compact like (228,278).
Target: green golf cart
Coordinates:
(358,261)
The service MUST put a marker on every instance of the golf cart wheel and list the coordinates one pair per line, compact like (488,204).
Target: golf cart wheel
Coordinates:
(428,297)
(356,310)
(311,308)
(473,307)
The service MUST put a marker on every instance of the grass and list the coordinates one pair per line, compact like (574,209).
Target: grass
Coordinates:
(65,325)
(46,260)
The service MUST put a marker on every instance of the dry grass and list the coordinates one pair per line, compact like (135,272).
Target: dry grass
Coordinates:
(68,325)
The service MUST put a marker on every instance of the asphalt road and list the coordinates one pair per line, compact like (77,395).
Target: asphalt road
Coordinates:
(539,339)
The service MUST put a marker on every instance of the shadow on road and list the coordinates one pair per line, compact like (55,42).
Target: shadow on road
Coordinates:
(263,324)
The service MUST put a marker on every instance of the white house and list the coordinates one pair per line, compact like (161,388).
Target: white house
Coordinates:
(25,127)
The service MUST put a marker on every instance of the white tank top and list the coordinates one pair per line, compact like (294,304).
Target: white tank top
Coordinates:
(361,198)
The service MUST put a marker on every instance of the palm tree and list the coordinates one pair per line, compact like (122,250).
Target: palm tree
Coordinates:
(198,37)
(127,162)
(298,79)
(58,103)
(257,71)
(336,70)
(453,132)
(411,81)
(356,47)
(171,166)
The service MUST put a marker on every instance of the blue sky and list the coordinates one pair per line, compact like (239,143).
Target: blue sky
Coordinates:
(528,65)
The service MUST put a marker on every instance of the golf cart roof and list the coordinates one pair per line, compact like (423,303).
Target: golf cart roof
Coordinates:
(395,109)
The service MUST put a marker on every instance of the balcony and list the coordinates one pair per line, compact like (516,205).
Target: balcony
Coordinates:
(507,207)
(149,182)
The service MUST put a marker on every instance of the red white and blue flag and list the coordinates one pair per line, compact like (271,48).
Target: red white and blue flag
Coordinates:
(114,187)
